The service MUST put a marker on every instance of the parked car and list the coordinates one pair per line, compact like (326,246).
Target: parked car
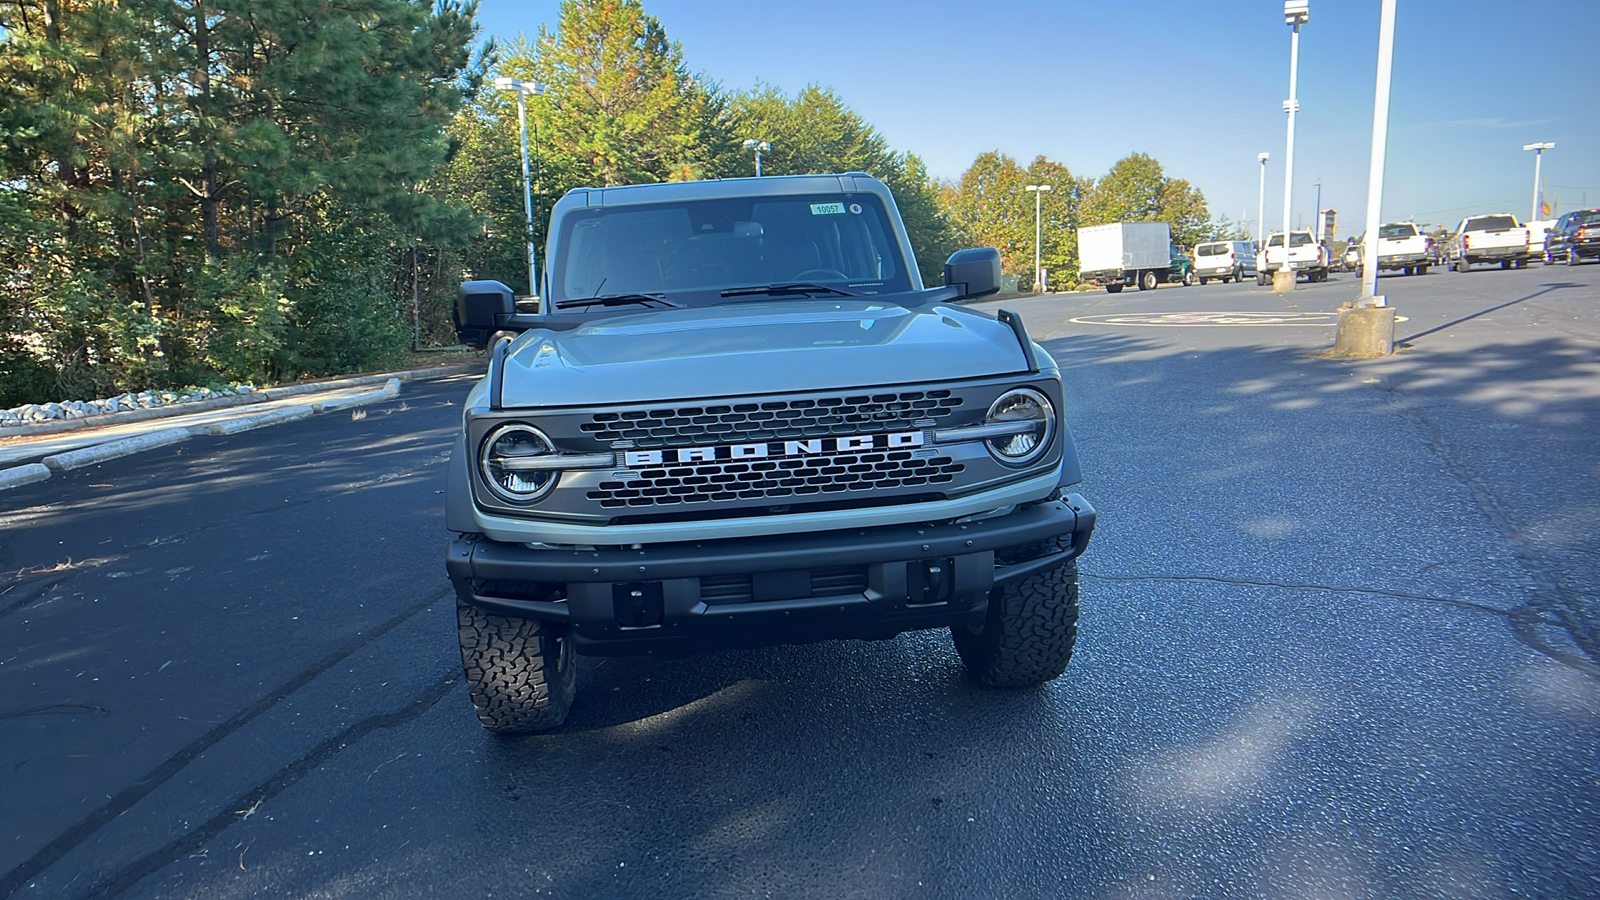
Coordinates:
(1225,260)
(1574,236)
(1498,237)
(1180,268)
(1306,256)
(1537,231)
(1403,246)
(1352,256)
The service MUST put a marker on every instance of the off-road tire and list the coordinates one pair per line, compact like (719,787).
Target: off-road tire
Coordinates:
(1028,633)
(520,675)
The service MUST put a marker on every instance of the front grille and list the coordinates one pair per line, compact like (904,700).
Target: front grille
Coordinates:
(775,478)
(771,419)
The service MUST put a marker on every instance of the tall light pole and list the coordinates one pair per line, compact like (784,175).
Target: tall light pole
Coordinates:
(757,146)
(1261,207)
(1295,13)
(524,89)
(1366,327)
(1318,217)
(1538,186)
(1038,191)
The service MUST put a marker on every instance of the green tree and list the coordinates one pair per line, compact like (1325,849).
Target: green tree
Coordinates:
(1137,190)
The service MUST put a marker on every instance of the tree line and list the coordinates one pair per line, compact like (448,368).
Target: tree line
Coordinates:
(197,191)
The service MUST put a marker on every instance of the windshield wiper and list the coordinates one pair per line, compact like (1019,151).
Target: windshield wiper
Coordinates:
(797,287)
(618,300)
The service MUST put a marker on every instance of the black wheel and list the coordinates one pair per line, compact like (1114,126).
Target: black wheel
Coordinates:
(1422,270)
(1188,277)
(1572,256)
(520,674)
(1409,270)
(1547,260)
(1204,280)
(1262,278)
(1463,265)
(1029,632)
(1147,280)
(1238,273)
(1115,288)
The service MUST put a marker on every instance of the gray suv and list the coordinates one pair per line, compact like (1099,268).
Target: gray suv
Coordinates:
(739,418)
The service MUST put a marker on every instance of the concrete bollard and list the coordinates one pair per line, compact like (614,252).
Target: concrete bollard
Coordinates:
(1364,333)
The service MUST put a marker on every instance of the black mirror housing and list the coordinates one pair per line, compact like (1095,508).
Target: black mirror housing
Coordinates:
(482,308)
(976,272)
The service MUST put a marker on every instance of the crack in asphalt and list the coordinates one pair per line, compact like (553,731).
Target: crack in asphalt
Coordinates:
(1551,597)
(86,827)
(248,803)
(1522,620)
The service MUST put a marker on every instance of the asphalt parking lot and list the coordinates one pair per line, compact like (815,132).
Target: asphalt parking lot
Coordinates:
(1339,638)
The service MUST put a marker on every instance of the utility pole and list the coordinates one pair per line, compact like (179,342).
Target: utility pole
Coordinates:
(1366,327)
(1295,14)
(1037,190)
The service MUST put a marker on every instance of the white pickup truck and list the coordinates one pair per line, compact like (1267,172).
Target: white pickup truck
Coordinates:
(1402,246)
(1305,256)
(1493,238)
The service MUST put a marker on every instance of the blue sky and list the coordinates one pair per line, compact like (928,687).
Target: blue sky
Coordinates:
(1198,85)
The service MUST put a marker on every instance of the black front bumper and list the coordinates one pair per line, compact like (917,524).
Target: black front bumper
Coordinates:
(865,583)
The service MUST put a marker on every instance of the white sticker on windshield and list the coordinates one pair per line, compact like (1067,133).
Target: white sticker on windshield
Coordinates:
(855,209)
(827,209)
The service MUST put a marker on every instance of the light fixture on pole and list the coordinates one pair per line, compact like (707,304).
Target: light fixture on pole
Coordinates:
(1038,191)
(524,89)
(1538,186)
(757,146)
(1295,14)
(1261,206)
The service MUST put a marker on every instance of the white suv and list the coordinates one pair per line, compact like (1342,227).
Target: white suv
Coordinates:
(1227,260)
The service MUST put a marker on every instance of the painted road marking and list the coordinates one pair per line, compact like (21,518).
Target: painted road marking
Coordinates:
(1214,319)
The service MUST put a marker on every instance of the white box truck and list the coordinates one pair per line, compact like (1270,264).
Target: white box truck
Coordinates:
(1125,253)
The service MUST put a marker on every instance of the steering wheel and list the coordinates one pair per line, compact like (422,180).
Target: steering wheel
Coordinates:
(812,274)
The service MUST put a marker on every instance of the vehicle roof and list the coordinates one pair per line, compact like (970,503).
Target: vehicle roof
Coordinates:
(773,185)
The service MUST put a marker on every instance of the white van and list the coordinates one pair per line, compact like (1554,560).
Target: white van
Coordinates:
(1227,260)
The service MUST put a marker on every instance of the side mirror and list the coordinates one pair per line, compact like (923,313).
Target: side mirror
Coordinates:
(975,272)
(482,308)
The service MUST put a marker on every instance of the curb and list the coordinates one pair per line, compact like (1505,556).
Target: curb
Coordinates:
(387,391)
(56,426)
(275,417)
(17,476)
(88,456)
(29,473)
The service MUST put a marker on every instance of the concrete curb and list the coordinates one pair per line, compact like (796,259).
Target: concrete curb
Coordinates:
(16,476)
(56,426)
(88,456)
(387,391)
(274,417)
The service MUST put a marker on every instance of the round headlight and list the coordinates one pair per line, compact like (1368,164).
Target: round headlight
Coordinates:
(503,460)
(1027,421)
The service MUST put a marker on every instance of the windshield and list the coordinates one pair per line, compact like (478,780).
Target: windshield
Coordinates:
(1491,223)
(698,248)
(1397,231)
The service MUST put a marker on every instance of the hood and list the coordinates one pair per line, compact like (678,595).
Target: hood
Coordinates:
(754,348)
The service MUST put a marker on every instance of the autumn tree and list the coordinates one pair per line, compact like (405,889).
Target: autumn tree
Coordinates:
(1137,190)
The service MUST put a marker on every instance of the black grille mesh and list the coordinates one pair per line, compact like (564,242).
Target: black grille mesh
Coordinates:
(762,420)
(775,478)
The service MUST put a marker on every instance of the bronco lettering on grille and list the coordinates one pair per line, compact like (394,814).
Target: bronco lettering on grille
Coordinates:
(899,440)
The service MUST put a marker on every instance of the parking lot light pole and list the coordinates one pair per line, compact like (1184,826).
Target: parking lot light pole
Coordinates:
(524,89)
(1366,327)
(1037,190)
(758,146)
(1538,185)
(1295,14)
(1261,206)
